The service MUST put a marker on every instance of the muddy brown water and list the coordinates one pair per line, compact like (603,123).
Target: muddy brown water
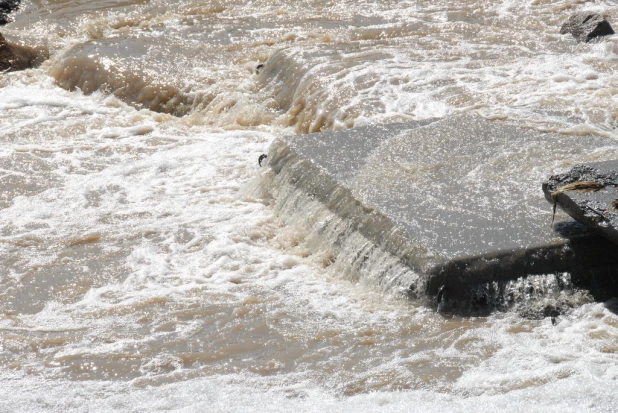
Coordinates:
(139,269)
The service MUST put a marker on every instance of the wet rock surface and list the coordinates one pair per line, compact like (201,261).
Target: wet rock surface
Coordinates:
(456,201)
(6,7)
(15,56)
(9,61)
(594,202)
(585,26)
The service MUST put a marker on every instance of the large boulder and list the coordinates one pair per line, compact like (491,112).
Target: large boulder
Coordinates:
(6,7)
(585,26)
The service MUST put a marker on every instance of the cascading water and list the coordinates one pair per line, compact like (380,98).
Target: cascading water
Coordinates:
(142,270)
(531,296)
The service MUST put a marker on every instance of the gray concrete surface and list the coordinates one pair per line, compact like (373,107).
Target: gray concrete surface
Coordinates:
(458,199)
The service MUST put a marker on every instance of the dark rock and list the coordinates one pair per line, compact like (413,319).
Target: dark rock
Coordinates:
(588,193)
(16,56)
(585,26)
(440,295)
(9,61)
(6,7)
(261,158)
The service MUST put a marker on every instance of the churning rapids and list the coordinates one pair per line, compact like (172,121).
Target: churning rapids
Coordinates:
(141,272)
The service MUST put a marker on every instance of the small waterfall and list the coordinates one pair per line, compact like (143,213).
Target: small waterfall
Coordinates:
(532,296)
(356,257)
(365,246)
(351,254)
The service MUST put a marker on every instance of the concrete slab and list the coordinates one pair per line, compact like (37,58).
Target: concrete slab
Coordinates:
(455,200)
(594,206)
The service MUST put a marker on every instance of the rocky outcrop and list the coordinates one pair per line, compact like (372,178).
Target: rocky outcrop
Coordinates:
(585,26)
(9,61)
(588,193)
(15,56)
(6,7)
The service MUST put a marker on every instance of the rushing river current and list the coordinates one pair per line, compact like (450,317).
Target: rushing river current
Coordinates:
(140,270)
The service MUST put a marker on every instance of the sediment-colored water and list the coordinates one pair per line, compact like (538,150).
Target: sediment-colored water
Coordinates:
(142,270)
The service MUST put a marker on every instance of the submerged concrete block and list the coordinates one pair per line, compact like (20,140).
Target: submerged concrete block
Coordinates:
(588,193)
(457,201)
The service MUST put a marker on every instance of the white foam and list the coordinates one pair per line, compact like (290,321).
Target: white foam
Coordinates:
(177,288)
(240,393)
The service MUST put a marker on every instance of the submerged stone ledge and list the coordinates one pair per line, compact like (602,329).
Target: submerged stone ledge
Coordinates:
(454,202)
(14,57)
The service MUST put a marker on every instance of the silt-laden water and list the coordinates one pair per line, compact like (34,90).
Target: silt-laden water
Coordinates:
(141,271)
